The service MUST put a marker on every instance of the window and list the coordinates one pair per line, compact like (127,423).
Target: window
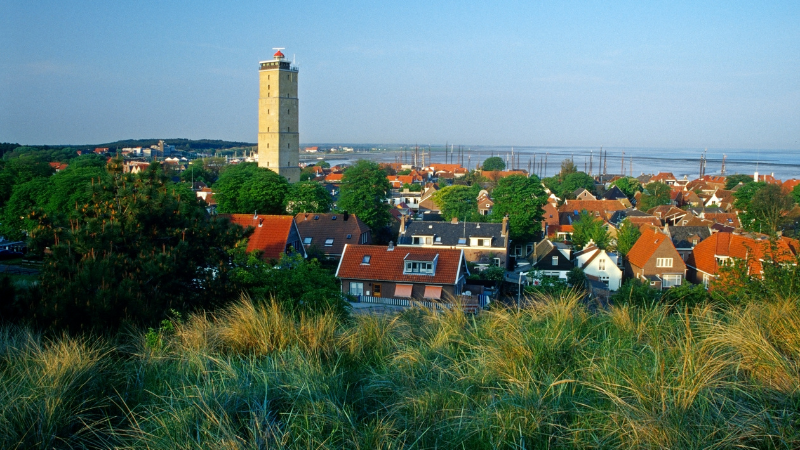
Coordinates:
(601,263)
(528,249)
(419,267)
(349,236)
(356,288)
(316,217)
(671,280)
(554,261)
(706,280)
(329,242)
(307,240)
(694,241)
(438,240)
(365,259)
(480,242)
(496,262)
(416,240)
(462,241)
(664,262)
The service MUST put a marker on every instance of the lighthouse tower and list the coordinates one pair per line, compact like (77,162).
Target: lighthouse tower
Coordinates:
(278,134)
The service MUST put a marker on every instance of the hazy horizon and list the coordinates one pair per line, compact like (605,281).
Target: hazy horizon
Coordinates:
(679,75)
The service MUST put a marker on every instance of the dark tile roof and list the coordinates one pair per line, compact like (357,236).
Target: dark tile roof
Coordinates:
(614,194)
(619,216)
(451,232)
(338,227)
(546,263)
(681,235)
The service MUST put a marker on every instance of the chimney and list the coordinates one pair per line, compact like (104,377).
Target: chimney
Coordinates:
(390,248)
(454,220)
(402,224)
(504,231)
(345,216)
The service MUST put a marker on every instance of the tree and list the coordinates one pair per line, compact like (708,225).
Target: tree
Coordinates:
(522,200)
(567,167)
(796,194)
(139,247)
(27,196)
(628,185)
(635,293)
(20,170)
(494,163)
(655,194)
(247,188)
(197,171)
(768,206)
(308,197)
(363,193)
(575,181)
(732,180)
(627,235)
(324,164)
(459,202)
(589,228)
(299,285)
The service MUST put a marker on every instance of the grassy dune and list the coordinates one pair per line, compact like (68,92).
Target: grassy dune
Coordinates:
(550,376)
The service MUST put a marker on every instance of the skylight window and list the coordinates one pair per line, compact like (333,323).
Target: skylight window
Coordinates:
(307,240)
(365,259)
(349,236)
(462,241)
(329,242)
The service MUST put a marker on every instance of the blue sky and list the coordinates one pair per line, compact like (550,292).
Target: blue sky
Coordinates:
(637,74)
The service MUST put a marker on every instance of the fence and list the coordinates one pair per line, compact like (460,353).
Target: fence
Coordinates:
(470,304)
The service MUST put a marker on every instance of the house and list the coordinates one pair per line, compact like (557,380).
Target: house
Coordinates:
(722,198)
(635,216)
(485,244)
(272,235)
(614,194)
(600,208)
(426,202)
(664,177)
(716,251)
(583,194)
(410,199)
(685,239)
(58,166)
(331,232)
(397,275)
(654,260)
(668,214)
(552,260)
(485,203)
(598,263)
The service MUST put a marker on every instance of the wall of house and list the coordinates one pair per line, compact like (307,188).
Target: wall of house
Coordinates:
(665,250)
(388,288)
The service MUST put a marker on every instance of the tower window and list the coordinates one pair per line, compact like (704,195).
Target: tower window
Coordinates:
(288,145)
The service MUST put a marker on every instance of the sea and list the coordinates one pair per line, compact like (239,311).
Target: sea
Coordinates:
(546,161)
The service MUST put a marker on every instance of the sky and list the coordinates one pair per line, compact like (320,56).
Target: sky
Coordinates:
(624,74)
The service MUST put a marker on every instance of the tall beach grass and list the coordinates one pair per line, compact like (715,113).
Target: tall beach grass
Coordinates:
(553,375)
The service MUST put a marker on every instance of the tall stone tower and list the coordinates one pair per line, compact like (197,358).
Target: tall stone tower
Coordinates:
(278,136)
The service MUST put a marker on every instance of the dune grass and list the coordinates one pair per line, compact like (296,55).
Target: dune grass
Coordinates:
(553,375)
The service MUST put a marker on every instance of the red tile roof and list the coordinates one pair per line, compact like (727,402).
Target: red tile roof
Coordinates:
(646,246)
(58,166)
(270,233)
(729,245)
(334,178)
(386,265)
(445,167)
(601,207)
(663,177)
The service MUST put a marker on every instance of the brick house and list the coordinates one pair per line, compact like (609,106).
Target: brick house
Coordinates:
(654,260)
(485,244)
(272,235)
(712,253)
(331,232)
(402,273)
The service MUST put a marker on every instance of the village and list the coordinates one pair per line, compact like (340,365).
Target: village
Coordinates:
(657,229)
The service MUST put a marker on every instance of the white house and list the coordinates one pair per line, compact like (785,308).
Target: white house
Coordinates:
(598,263)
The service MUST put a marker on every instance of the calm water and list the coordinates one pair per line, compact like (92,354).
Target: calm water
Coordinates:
(784,164)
